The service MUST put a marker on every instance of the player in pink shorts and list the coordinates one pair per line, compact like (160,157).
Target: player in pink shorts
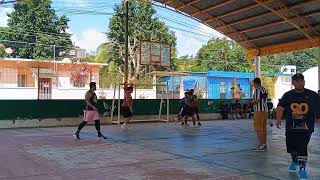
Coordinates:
(91,112)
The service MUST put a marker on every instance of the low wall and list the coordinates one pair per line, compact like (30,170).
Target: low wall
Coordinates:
(34,113)
(18,93)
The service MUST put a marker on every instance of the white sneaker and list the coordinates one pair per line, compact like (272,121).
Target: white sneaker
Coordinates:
(124,127)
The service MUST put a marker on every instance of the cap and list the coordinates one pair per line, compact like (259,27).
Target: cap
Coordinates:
(297,76)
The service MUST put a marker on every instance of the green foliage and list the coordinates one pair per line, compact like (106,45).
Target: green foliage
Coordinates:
(222,55)
(105,54)
(34,21)
(303,59)
(2,53)
(142,25)
(90,58)
(109,76)
(187,63)
(226,55)
(216,55)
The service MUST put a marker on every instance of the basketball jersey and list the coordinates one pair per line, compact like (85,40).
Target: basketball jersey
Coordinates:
(93,100)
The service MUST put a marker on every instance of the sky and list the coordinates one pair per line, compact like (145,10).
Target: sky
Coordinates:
(88,28)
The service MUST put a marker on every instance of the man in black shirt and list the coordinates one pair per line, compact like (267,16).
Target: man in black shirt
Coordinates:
(302,107)
(91,112)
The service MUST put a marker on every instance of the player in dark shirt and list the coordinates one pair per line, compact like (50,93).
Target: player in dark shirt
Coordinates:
(302,107)
(195,105)
(90,112)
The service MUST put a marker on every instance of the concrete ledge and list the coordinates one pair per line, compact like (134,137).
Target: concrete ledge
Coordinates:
(32,123)
(155,118)
(54,122)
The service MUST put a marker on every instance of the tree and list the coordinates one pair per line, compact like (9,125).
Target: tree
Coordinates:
(79,73)
(2,52)
(222,55)
(303,59)
(142,25)
(105,53)
(187,63)
(108,75)
(35,22)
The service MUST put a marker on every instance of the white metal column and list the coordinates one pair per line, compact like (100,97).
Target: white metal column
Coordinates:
(257,72)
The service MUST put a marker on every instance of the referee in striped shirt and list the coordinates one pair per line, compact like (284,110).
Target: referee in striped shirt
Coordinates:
(260,115)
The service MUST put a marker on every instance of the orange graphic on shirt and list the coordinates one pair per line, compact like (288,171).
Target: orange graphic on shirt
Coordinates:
(299,109)
(298,113)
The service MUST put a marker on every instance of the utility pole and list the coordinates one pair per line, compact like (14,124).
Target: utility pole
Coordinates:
(318,68)
(54,59)
(126,32)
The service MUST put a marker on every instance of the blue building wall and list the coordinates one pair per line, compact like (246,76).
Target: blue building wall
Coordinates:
(215,78)
(212,82)
(195,79)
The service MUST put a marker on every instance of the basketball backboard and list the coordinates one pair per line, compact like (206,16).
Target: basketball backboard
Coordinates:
(155,54)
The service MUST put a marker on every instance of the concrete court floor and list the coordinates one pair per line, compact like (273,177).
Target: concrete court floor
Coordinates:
(218,150)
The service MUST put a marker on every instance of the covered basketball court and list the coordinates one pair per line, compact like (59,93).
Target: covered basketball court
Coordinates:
(262,27)
(219,150)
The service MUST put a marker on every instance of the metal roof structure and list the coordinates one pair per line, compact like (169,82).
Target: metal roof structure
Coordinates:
(7,1)
(262,27)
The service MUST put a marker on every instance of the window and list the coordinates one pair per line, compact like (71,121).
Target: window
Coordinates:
(223,89)
(293,70)
(285,70)
(22,80)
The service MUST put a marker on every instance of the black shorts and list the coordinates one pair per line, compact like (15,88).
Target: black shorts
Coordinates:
(297,142)
(126,112)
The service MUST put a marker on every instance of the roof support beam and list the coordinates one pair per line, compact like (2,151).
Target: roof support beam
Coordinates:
(273,24)
(283,12)
(213,7)
(277,34)
(187,4)
(237,37)
(283,47)
(264,14)
(234,12)
(167,2)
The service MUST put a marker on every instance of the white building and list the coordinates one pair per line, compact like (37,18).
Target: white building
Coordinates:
(41,79)
(311,78)
(283,82)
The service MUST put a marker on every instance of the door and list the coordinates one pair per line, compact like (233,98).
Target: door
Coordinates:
(45,88)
